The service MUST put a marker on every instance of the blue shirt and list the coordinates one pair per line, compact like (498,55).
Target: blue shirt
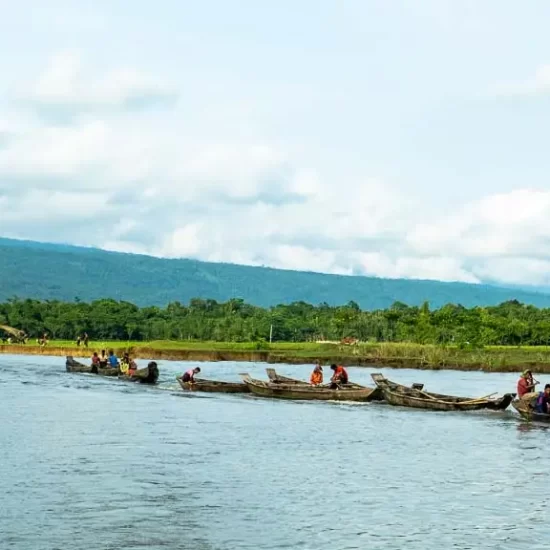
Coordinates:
(113,361)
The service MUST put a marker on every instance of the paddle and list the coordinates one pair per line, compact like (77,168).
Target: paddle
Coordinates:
(472,401)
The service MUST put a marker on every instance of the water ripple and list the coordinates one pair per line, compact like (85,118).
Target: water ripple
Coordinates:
(95,463)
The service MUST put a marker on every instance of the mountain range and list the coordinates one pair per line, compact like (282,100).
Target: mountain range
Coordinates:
(30,269)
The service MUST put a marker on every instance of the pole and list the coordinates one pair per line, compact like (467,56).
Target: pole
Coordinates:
(270,333)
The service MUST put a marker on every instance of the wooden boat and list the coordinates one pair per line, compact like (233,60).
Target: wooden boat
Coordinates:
(277,378)
(307,392)
(525,406)
(74,366)
(404,396)
(213,386)
(146,375)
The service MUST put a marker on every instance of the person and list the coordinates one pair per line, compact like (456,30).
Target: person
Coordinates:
(113,360)
(78,339)
(316,376)
(132,368)
(526,384)
(339,377)
(103,359)
(543,401)
(125,363)
(189,376)
(95,359)
(86,339)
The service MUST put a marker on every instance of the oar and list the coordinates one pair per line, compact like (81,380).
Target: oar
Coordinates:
(472,401)
(428,395)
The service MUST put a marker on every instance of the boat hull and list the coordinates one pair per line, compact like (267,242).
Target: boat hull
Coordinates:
(213,386)
(75,366)
(404,396)
(306,392)
(525,407)
(276,378)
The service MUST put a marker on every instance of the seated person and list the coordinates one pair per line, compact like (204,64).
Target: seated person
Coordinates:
(113,360)
(103,359)
(339,377)
(316,376)
(125,363)
(526,383)
(543,401)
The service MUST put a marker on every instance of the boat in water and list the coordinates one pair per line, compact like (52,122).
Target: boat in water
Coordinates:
(415,397)
(306,392)
(213,386)
(146,375)
(276,378)
(525,406)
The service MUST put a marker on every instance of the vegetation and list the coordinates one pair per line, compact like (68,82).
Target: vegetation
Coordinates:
(58,272)
(508,324)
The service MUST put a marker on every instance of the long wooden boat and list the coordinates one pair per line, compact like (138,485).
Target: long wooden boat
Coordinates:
(307,392)
(75,366)
(525,406)
(404,396)
(146,375)
(213,386)
(277,378)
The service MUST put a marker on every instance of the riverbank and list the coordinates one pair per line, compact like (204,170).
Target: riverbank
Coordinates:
(493,359)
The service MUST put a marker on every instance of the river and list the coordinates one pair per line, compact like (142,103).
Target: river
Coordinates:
(87,462)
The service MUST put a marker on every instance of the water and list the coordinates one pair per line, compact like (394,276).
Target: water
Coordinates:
(87,462)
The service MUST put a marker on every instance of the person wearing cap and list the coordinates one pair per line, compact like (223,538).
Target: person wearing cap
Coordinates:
(316,378)
(339,377)
(526,384)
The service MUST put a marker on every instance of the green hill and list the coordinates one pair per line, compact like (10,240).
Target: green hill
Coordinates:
(63,272)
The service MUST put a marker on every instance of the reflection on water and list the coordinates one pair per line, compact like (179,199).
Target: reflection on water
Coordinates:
(95,463)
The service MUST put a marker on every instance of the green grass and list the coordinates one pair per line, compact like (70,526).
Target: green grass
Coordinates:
(495,358)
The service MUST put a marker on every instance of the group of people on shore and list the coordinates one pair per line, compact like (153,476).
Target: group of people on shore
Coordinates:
(526,385)
(338,378)
(126,365)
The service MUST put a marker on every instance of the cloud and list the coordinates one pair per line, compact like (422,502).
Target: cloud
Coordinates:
(65,90)
(115,178)
(536,85)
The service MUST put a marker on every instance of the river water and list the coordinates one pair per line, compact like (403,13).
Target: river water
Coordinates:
(87,462)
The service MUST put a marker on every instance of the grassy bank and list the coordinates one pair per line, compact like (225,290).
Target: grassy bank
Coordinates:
(497,359)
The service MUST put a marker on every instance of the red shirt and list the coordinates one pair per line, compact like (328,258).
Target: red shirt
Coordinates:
(341,373)
(523,387)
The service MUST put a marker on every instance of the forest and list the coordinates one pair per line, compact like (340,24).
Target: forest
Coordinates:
(508,324)
(60,272)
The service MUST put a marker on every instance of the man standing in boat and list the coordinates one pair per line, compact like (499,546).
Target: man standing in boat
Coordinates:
(339,377)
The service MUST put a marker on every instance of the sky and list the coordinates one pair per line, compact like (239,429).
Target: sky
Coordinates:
(386,138)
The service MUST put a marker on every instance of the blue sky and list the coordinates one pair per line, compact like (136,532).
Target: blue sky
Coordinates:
(398,139)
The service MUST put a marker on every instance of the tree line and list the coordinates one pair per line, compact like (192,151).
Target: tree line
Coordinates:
(510,323)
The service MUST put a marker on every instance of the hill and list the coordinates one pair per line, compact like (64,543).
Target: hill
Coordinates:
(64,272)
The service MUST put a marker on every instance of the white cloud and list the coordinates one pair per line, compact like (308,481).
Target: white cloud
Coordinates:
(64,88)
(536,85)
(115,178)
